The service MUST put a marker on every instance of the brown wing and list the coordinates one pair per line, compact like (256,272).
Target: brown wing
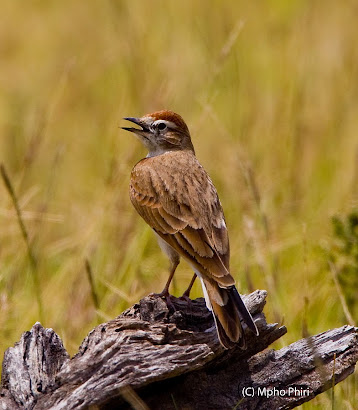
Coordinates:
(176,197)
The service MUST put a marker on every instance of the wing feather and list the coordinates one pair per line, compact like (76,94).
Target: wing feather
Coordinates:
(184,209)
(171,220)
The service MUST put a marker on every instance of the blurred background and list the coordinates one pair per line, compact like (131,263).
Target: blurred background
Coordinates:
(269,90)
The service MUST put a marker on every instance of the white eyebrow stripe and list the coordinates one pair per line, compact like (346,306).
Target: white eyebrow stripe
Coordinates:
(169,123)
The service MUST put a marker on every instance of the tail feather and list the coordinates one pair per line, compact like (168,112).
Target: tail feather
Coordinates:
(228,308)
(228,325)
(243,311)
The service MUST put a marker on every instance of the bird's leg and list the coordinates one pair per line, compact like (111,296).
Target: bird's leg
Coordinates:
(165,291)
(186,294)
(174,262)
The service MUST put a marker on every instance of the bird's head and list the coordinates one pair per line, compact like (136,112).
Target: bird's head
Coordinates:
(162,131)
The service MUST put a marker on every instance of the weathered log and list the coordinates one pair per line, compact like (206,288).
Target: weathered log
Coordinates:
(170,358)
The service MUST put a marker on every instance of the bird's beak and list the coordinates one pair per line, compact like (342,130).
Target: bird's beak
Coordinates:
(138,121)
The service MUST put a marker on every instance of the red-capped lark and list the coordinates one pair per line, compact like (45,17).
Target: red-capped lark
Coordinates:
(173,193)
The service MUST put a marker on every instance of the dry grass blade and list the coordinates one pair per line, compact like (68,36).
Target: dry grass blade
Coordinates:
(25,235)
(345,308)
(252,185)
(94,295)
(133,399)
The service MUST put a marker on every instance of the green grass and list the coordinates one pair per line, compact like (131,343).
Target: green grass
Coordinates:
(269,91)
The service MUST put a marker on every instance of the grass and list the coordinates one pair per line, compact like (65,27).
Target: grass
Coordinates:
(269,91)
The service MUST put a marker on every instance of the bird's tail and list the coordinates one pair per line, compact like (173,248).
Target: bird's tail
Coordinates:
(228,310)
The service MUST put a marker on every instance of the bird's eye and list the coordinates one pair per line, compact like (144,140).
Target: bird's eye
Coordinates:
(162,126)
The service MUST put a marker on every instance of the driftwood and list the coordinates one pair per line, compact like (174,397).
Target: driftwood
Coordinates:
(156,357)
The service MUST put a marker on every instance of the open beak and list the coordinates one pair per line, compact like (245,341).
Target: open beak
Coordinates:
(143,131)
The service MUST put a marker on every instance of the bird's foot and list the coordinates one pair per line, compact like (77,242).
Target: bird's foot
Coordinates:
(185,297)
(167,297)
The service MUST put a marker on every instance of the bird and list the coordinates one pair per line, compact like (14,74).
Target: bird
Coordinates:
(175,196)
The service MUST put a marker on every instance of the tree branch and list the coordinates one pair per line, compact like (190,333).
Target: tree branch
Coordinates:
(164,358)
